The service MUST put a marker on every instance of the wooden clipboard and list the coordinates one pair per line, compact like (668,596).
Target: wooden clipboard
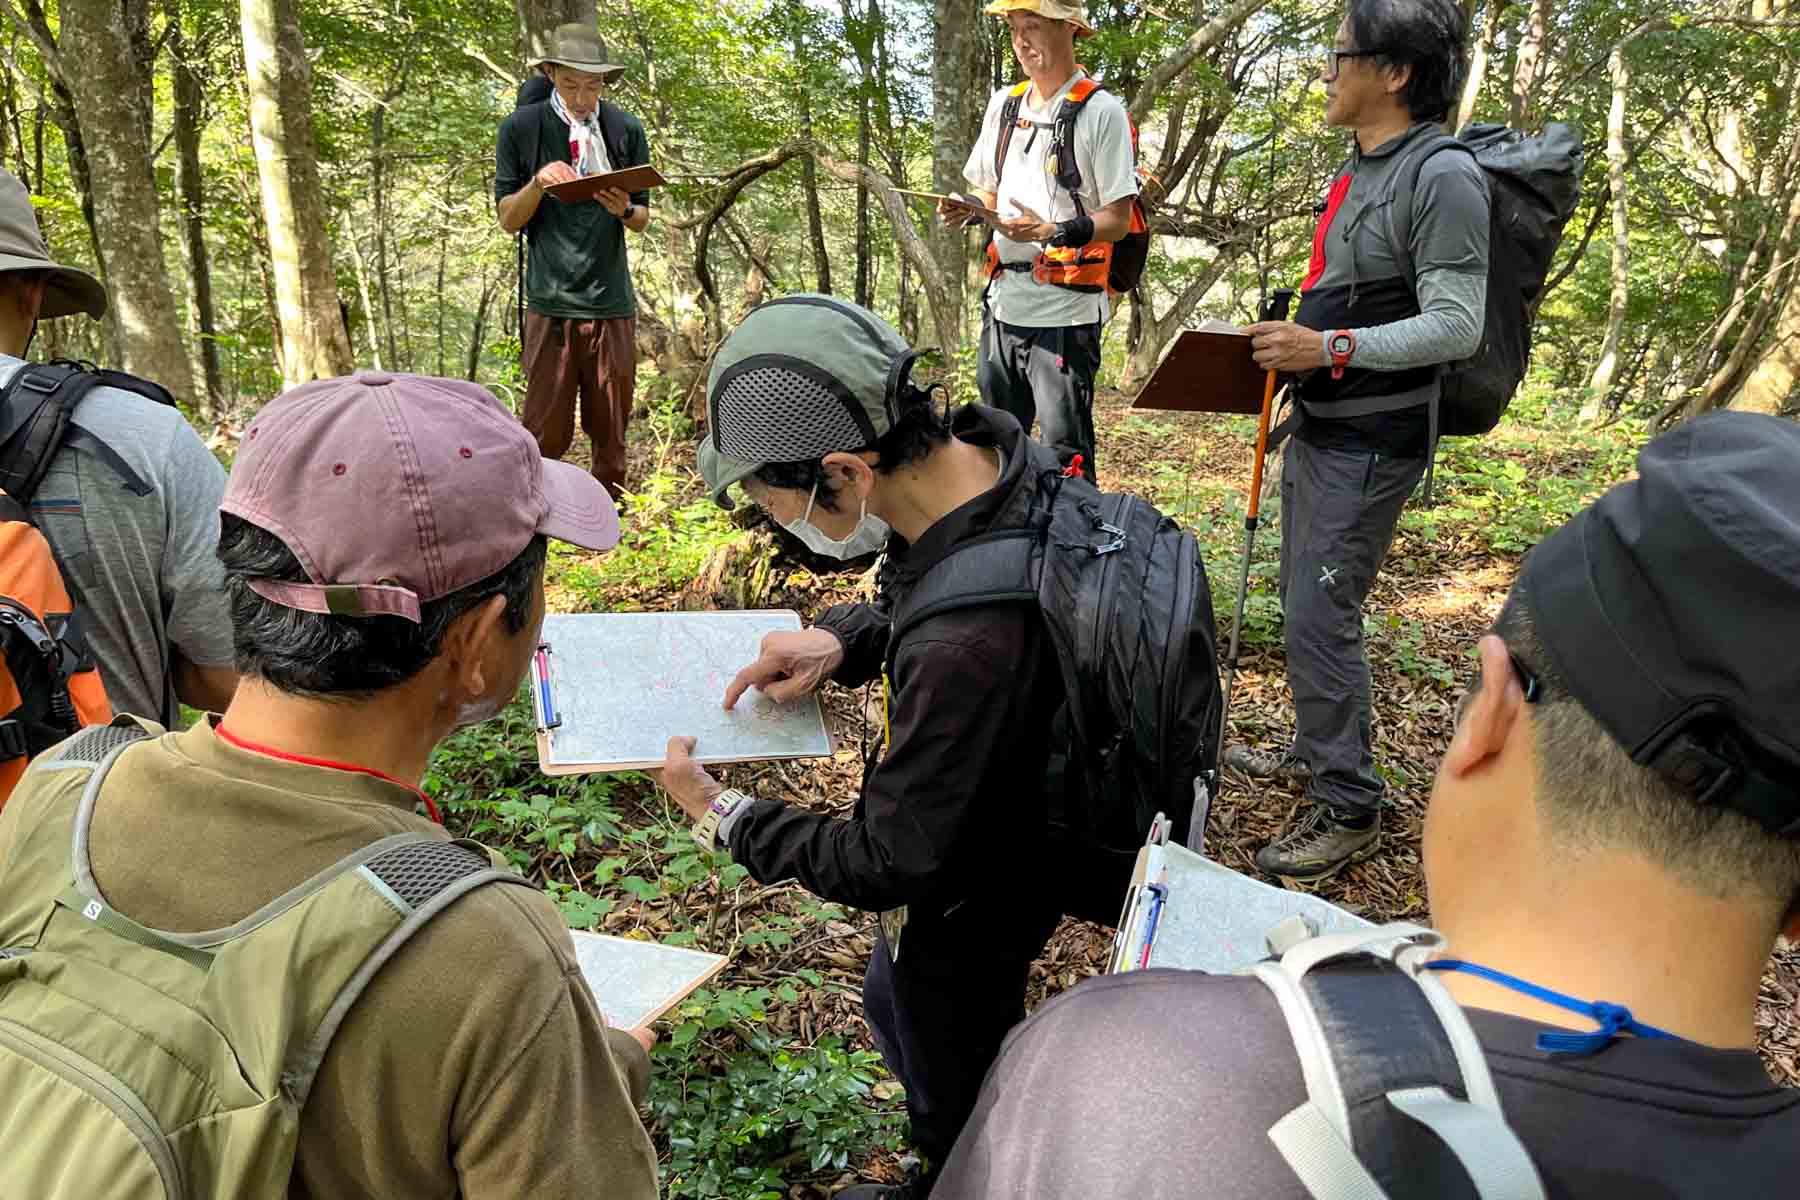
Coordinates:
(1205,370)
(978,210)
(631,179)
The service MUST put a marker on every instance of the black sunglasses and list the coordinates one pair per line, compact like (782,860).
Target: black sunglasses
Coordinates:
(1333,56)
(1528,682)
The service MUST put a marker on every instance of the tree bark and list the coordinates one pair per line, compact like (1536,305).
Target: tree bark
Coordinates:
(108,96)
(1600,385)
(1770,385)
(538,17)
(315,343)
(959,96)
(809,171)
(1478,61)
(1528,67)
(190,191)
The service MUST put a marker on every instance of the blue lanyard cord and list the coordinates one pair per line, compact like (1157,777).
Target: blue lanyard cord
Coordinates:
(1614,1019)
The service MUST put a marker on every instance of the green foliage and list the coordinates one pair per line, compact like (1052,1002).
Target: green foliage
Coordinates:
(738,1121)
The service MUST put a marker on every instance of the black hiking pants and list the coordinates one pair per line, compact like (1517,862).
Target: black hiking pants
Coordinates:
(940,1013)
(1044,375)
(1339,509)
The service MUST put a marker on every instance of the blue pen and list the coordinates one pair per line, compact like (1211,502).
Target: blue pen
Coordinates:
(1159,896)
(549,718)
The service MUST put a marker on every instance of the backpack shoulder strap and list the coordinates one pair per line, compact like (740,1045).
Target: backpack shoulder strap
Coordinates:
(998,568)
(1402,194)
(1009,120)
(1370,1026)
(1068,171)
(34,421)
(615,133)
(421,877)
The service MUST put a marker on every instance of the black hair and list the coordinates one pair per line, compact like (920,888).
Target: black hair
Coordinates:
(920,426)
(1429,36)
(338,657)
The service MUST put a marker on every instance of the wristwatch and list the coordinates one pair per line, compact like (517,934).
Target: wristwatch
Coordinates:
(1340,344)
(706,830)
(629,209)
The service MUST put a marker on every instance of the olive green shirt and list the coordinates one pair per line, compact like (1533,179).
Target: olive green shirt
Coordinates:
(476,1064)
(577,265)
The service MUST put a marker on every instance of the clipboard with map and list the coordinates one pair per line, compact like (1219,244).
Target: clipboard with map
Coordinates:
(631,179)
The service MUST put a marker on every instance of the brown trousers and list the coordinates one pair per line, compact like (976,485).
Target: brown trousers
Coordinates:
(595,360)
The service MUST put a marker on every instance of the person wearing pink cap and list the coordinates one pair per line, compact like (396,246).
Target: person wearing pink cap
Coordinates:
(383,540)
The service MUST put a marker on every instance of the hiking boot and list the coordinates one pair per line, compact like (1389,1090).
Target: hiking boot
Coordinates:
(1321,844)
(1286,767)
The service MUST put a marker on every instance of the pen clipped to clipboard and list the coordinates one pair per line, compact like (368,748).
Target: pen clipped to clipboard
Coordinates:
(543,690)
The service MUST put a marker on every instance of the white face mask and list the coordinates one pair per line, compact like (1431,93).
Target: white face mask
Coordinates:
(870,534)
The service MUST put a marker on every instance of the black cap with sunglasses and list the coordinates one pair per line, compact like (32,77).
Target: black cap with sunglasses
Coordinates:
(1671,607)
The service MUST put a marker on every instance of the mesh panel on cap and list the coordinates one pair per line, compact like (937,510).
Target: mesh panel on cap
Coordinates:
(772,414)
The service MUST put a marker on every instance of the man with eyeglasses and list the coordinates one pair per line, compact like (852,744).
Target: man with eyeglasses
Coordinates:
(1365,349)
(1617,820)
(579,338)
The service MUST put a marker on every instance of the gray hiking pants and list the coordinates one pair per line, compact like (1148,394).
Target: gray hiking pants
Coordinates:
(1045,374)
(1338,513)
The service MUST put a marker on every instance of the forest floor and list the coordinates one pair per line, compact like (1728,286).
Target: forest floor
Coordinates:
(766,1085)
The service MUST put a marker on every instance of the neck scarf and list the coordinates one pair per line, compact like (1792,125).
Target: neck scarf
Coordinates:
(587,149)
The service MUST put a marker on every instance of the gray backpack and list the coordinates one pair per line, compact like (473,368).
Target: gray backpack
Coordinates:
(1400,1103)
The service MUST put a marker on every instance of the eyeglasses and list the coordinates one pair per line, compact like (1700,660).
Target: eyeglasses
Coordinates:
(1334,56)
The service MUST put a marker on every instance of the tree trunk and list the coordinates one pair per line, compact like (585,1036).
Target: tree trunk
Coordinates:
(314,342)
(190,190)
(1528,67)
(863,296)
(809,171)
(538,17)
(1600,386)
(959,96)
(115,134)
(1478,61)
(1770,387)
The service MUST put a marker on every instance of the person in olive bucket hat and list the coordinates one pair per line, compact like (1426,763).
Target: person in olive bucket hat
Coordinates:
(579,313)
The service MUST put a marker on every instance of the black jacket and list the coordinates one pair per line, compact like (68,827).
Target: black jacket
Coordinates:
(957,804)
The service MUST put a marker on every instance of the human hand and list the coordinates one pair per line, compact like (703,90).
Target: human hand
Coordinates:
(613,201)
(1285,346)
(553,173)
(957,210)
(1026,227)
(789,666)
(686,781)
(644,1037)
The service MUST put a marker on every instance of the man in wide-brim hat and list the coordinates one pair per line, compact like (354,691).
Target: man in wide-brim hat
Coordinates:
(580,326)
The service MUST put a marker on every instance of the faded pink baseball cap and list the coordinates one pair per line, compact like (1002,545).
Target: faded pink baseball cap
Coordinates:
(396,490)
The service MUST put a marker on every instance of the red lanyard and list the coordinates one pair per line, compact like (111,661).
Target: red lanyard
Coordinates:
(271,752)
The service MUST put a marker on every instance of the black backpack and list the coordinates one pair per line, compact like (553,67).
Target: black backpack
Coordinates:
(43,641)
(35,408)
(1129,254)
(1124,594)
(1534,184)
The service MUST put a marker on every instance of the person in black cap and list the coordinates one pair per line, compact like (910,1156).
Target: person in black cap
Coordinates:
(1617,820)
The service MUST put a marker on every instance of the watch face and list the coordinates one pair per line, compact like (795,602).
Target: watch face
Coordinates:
(1341,343)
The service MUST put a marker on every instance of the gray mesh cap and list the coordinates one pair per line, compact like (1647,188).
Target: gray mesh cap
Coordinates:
(799,378)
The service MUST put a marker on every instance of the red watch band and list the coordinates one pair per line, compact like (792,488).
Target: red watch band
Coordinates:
(1340,344)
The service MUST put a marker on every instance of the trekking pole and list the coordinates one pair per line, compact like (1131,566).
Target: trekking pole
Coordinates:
(1275,309)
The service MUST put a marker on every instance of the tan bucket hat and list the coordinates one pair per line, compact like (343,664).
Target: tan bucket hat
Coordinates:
(577,46)
(22,248)
(1055,10)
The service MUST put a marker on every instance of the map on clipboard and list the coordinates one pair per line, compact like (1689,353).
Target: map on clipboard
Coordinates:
(635,982)
(1185,910)
(965,202)
(611,689)
(631,179)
